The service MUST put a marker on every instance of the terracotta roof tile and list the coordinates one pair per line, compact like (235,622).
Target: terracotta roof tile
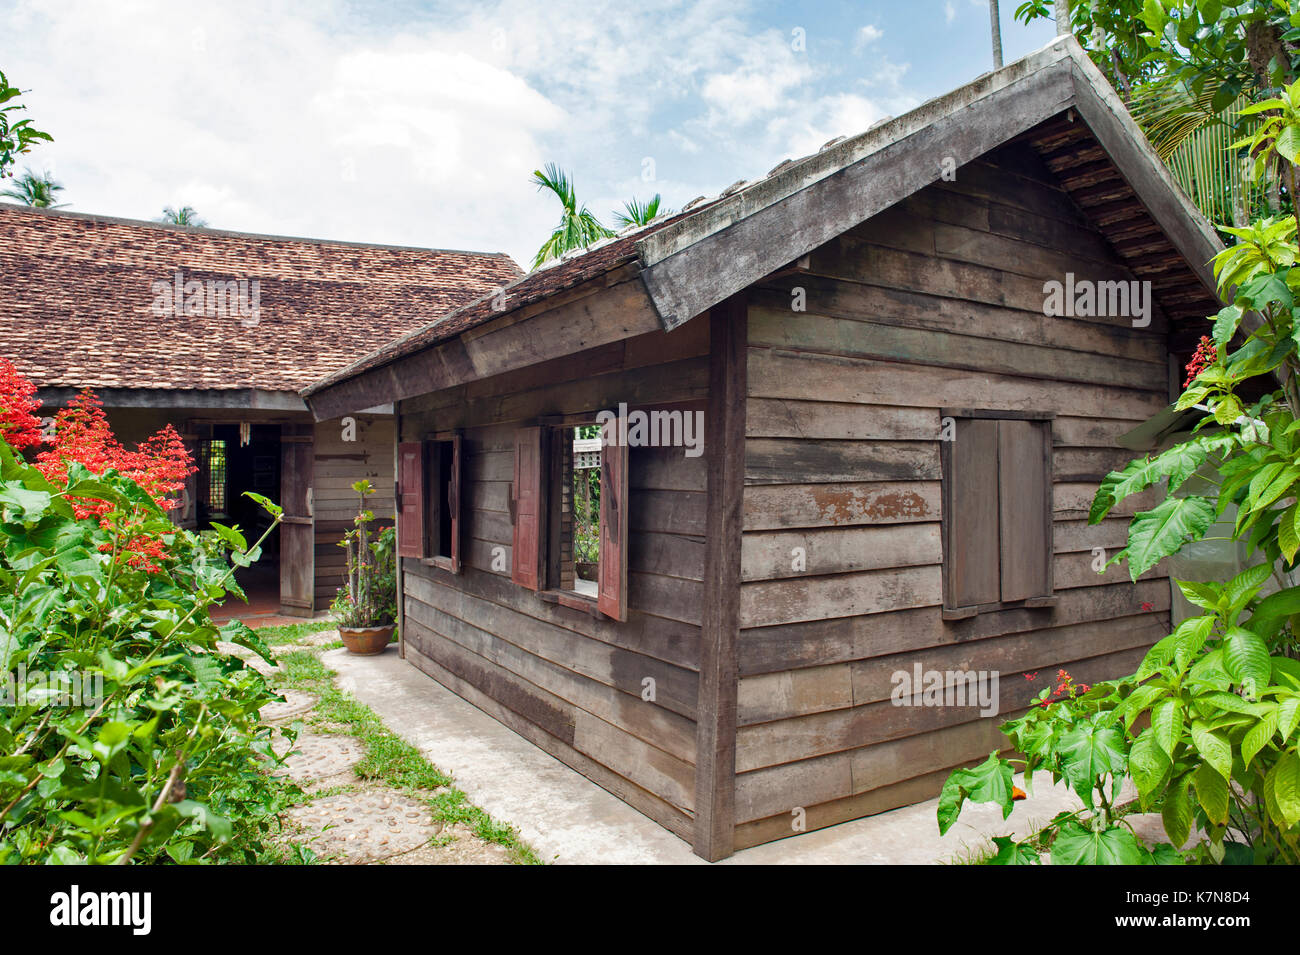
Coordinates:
(77,302)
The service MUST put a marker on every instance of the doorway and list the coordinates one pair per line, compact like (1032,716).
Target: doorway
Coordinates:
(234,459)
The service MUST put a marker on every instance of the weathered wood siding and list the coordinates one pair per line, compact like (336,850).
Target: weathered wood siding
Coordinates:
(937,303)
(342,456)
(571,683)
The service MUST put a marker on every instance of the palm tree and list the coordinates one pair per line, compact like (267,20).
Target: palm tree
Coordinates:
(36,190)
(636,213)
(578,227)
(184,216)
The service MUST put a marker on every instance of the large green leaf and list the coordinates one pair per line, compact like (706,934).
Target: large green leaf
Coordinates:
(1213,747)
(1077,845)
(1246,658)
(1212,793)
(1148,764)
(990,781)
(1089,751)
(1157,533)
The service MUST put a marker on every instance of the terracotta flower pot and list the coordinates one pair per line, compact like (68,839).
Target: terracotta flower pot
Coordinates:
(366,641)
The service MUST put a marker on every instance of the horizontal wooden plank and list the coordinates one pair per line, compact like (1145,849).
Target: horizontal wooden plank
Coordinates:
(862,339)
(773,507)
(614,666)
(818,643)
(671,817)
(659,637)
(784,741)
(768,603)
(791,418)
(798,461)
(776,373)
(768,555)
(653,724)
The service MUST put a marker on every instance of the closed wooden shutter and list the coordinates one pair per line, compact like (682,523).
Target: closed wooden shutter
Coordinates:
(1025,521)
(410,499)
(453,504)
(526,508)
(971,513)
(611,594)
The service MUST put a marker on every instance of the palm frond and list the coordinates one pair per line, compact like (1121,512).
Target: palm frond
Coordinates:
(578,228)
(637,213)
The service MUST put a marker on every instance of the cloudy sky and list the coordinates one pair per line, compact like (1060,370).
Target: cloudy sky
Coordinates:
(418,123)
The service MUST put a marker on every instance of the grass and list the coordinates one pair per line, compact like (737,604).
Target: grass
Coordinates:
(293,632)
(388,758)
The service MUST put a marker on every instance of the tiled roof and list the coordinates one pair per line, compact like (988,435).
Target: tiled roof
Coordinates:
(79,306)
(568,272)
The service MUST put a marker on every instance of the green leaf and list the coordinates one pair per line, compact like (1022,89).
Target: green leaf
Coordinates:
(1167,724)
(1157,533)
(990,781)
(1211,793)
(1258,736)
(1077,845)
(1247,659)
(1283,781)
(1225,326)
(1212,746)
(1148,764)
(1176,813)
(1011,852)
(1089,751)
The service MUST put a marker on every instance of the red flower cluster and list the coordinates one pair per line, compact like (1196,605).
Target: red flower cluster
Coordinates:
(19,426)
(159,464)
(1065,686)
(1206,355)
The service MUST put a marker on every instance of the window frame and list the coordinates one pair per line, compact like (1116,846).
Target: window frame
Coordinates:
(950,610)
(417,543)
(552,480)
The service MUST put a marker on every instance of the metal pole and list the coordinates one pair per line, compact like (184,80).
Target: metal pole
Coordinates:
(996,23)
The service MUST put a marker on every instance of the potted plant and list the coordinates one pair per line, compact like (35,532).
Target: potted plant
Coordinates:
(366,606)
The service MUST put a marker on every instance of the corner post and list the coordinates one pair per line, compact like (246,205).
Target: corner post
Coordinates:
(715,764)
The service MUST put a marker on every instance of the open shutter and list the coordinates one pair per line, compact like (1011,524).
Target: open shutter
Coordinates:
(1024,483)
(410,499)
(453,504)
(611,596)
(971,514)
(526,508)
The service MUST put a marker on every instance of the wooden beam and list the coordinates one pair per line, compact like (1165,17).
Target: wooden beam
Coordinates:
(715,767)
(686,276)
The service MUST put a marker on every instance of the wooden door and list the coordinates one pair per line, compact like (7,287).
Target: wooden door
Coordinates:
(297,531)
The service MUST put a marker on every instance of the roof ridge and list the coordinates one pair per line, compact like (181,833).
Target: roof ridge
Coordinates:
(16,208)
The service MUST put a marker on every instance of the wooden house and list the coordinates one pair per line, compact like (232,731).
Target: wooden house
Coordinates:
(899,449)
(215,333)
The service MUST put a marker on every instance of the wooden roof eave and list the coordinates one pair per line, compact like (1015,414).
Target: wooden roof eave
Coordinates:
(604,309)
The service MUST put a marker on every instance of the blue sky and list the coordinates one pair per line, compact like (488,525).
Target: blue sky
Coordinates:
(419,123)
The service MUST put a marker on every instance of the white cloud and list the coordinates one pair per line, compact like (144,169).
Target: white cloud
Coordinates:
(949,12)
(866,36)
(319,120)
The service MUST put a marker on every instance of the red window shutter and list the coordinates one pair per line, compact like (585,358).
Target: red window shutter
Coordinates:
(453,503)
(410,499)
(611,598)
(526,507)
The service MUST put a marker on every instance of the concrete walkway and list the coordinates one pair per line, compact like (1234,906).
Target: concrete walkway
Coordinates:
(569,819)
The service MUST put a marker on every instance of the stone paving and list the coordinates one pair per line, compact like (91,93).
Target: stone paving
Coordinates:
(344,819)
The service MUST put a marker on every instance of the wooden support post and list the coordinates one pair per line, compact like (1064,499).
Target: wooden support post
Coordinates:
(715,765)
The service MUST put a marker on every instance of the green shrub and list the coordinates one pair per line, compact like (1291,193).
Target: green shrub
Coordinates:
(159,754)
